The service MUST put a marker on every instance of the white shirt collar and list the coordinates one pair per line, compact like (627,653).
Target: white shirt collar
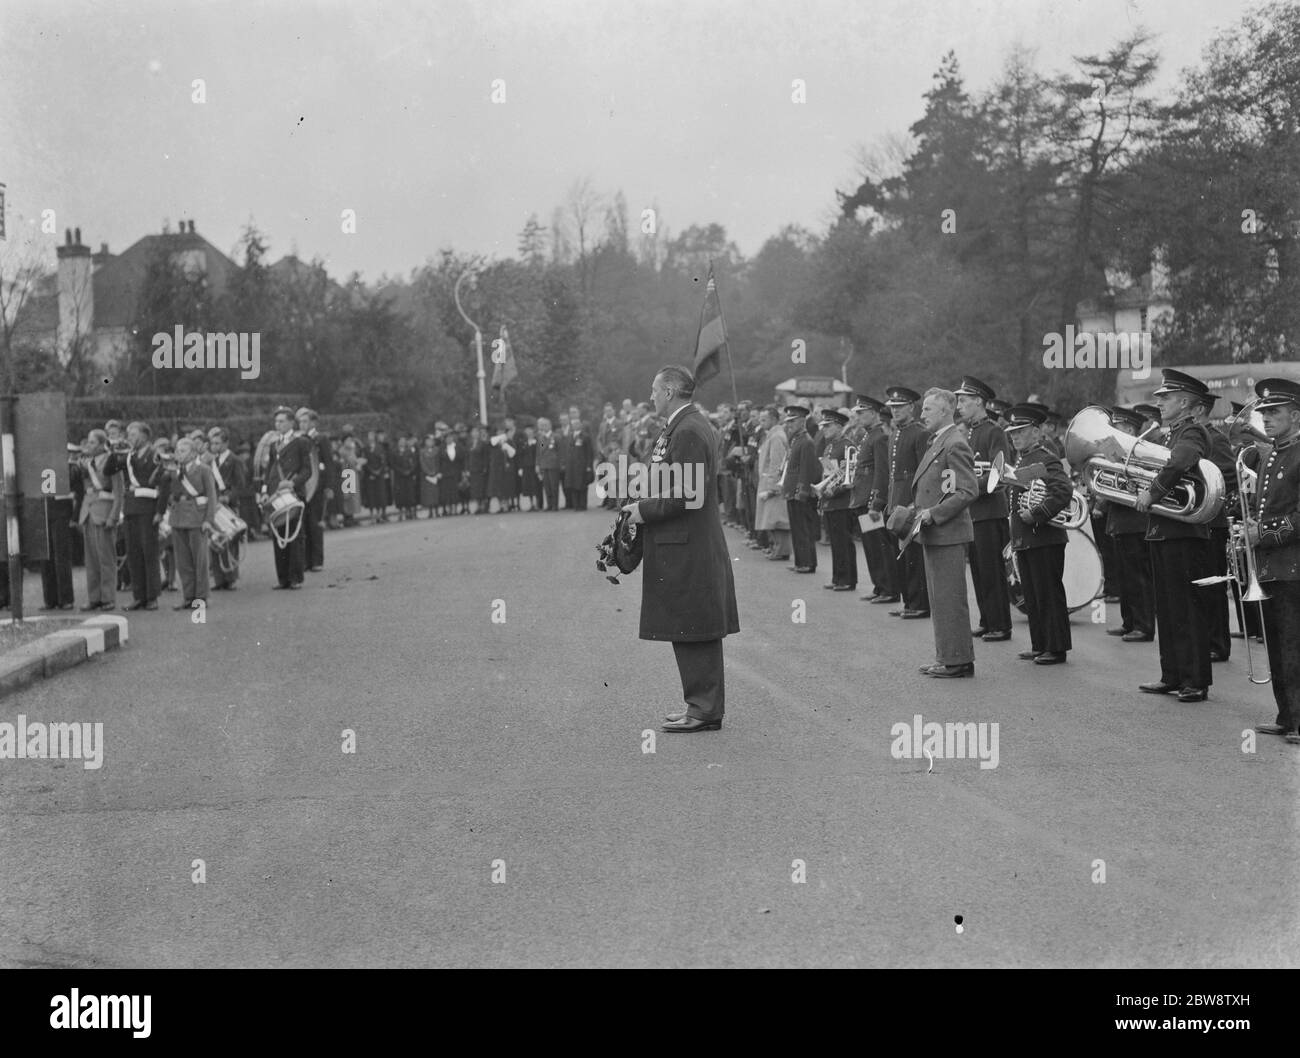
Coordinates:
(674,415)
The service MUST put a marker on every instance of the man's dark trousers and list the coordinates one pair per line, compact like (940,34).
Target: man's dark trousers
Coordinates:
(142,557)
(291,561)
(703,681)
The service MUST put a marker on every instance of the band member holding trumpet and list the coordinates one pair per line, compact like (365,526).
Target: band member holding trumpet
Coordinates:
(193,501)
(907,445)
(1038,544)
(835,497)
(1178,547)
(802,471)
(289,470)
(944,487)
(988,513)
(1274,533)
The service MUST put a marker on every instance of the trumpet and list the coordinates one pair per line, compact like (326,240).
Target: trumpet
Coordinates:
(988,474)
(1242,556)
(833,479)
(1116,467)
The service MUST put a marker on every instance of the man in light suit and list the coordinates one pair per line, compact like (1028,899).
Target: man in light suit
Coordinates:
(688,595)
(944,488)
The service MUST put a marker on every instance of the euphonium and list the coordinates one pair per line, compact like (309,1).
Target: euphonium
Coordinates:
(1116,467)
(1072,516)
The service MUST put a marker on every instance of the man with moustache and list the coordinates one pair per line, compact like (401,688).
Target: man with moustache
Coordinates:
(802,471)
(908,443)
(988,514)
(944,488)
(688,594)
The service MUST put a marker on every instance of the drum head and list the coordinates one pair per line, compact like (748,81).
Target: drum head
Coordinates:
(1084,575)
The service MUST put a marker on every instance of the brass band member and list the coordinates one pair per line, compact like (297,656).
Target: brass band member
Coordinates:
(1214,598)
(101,510)
(944,488)
(907,444)
(1275,533)
(871,441)
(1128,529)
(835,506)
(230,477)
(1039,545)
(193,501)
(988,515)
(1178,548)
(802,471)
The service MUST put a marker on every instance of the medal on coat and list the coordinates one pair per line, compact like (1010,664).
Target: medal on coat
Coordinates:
(660,449)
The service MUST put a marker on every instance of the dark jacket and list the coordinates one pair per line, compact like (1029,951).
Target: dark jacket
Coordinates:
(907,446)
(688,594)
(1188,443)
(291,461)
(836,499)
(802,469)
(1277,507)
(1057,497)
(988,441)
(141,473)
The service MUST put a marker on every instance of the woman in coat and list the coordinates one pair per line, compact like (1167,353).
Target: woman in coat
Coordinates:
(428,469)
(771,515)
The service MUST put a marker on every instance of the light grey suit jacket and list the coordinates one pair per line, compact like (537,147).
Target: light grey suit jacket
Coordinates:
(945,483)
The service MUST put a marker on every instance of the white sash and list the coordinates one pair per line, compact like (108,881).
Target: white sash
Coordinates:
(201,501)
(216,472)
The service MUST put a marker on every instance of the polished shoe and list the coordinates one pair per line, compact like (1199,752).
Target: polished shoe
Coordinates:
(136,606)
(830,587)
(1118,631)
(914,615)
(951,672)
(778,558)
(976,633)
(1159,687)
(895,613)
(1136,637)
(689,723)
(880,599)
(1193,694)
(1218,656)
(674,717)
(1050,657)
(83,609)
(845,587)
(1270,729)
(802,569)
(1293,737)
(868,598)
(996,637)
(1028,655)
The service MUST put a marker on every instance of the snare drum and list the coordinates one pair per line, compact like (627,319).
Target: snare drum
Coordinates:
(227,523)
(284,514)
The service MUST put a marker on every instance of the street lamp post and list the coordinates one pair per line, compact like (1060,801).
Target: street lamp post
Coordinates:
(478,348)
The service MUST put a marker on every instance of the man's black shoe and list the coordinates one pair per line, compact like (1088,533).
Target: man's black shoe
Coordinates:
(996,637)
(1193,694)
(951,672)
(1136,637)
(914,615)
(1159,687)
(1050,657)
(881,599)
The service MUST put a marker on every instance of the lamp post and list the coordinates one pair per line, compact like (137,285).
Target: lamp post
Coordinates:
(478,348)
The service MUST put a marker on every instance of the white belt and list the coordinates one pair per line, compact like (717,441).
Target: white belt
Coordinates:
(106,495)
(142,493)
(202,501)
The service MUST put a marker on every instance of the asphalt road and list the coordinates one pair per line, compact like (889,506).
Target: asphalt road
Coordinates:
(521,741)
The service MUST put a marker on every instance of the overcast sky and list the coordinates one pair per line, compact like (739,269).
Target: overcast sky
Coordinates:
(385,108)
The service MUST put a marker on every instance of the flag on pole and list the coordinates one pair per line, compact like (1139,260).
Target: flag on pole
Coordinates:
(504,370)
(712,337)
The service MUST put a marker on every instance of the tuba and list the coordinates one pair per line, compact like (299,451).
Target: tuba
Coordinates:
(1116,467)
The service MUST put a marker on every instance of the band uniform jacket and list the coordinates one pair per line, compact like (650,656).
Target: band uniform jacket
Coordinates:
(1057,497)
(988,441)
(906,450)
(802,469)
(291,461)
(1277,508)
(772,512)
(881,448)
(689,594)
(191,512)
(1223,457)
(231,477)
(104,493)
(836,499)
(324,454)
(863,488)
(1188,443)
(945,484)
(141,470)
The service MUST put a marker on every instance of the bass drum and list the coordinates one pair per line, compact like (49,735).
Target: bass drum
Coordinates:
(1084,577)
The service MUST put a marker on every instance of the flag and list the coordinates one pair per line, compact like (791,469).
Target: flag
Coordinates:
(2,211)
(712,339)
(504,370)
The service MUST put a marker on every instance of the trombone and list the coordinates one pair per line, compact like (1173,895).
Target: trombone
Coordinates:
(1240,554)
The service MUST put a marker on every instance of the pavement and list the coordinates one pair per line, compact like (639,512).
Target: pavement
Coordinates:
(499,808)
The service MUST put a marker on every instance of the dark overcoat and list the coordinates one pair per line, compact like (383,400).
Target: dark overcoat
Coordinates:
(688,592)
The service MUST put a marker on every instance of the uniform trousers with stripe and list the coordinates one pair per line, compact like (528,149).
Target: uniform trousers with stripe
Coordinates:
(988,571)
(803,532)
(879,550)
(1041,570)
(945,575)
(844,555)
(703,680)
(1282,626)
(1180,622)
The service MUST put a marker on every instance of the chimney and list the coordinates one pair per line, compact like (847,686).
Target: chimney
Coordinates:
(76,293)
(102,256)
(191,227)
